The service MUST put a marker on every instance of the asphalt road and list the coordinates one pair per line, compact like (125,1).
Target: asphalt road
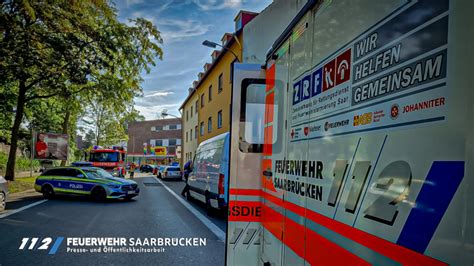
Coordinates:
(155,213)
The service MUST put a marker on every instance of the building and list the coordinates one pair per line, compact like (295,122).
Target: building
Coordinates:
(154,141)
(189,116)
(211,94)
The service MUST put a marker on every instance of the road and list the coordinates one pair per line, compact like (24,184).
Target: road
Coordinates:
(155,213)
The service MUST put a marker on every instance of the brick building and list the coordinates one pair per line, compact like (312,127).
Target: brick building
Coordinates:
(144,137)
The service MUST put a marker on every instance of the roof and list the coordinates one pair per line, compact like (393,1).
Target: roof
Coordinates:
(219,57)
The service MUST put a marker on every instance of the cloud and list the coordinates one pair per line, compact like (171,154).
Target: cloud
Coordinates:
(153,112)
(175,30)
(207,5)
(133,2)
(159,93)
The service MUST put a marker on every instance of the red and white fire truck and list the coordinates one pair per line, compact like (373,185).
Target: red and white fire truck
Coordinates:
(355,143)
(110,159)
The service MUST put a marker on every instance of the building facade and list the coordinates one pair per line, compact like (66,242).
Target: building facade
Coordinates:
(146,140)
(189,117)
(211,94)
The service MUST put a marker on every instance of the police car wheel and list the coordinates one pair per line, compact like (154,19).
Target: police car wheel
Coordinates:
(99,194)
(48,191)
(3,201)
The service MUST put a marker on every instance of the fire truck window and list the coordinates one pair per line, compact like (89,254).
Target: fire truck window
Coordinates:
(104,157)
(252,114)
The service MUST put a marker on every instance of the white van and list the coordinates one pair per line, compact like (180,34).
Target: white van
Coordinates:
(209,177)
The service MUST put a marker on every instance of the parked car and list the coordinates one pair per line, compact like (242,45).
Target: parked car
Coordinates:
(92,181)
(3,193)
(210,173)
(146,168)
(171,172)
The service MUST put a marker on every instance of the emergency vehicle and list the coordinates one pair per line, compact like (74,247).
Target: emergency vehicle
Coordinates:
(111,160)
(362,120)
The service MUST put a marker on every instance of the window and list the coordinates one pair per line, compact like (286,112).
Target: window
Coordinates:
(197,105)
(201,129)
(191,134)
(104,157)
(172,142)
(158,128)
(202,100)
(219,84)
(252,110)
(209,96)
(209,125)
(186,136)
(187,115)
(173,127)
(191,111)
(196,132)
(219,119)
(158,142)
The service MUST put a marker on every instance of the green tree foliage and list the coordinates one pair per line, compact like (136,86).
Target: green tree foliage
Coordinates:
(70,50)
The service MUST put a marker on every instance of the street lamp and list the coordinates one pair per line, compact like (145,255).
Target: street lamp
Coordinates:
(214,45)
(164,114)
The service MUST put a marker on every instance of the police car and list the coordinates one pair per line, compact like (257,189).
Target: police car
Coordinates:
(92,181)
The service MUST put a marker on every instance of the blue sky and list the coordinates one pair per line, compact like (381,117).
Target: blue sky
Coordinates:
(184,25)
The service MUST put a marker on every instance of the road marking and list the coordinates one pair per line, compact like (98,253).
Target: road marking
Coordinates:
(210,225)
(22,208)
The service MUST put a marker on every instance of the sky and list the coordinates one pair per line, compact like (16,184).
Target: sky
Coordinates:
(184,25)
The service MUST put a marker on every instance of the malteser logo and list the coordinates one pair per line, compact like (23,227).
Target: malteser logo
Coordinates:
(337,124)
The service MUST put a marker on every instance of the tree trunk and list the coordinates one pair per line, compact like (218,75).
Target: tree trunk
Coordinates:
(66,127)
(20,108)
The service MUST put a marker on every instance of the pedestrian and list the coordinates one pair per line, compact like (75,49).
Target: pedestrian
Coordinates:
(132,170)
(187,169)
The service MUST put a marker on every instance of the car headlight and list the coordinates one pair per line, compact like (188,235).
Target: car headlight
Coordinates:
(114,186)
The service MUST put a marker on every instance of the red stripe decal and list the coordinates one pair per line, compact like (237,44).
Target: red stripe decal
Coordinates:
(382,246)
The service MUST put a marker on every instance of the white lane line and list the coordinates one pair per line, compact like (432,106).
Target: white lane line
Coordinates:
(22,208)
(214,228)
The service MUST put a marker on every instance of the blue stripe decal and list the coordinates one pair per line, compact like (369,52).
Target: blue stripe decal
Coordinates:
(56,245)
(432,202)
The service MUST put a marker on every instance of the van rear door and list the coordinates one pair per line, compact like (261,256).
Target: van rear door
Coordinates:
(246,145)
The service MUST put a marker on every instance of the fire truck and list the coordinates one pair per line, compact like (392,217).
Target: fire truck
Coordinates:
(355,143)
(110,159)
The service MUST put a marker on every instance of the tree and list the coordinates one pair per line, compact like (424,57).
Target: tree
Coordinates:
(60,49)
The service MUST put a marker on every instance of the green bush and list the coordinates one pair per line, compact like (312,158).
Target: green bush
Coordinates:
(22,163)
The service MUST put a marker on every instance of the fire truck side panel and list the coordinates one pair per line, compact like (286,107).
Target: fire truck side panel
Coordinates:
(369,137)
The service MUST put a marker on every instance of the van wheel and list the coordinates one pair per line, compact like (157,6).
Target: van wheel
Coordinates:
(99,194)
(209,209)
(3,201)
(47,191)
